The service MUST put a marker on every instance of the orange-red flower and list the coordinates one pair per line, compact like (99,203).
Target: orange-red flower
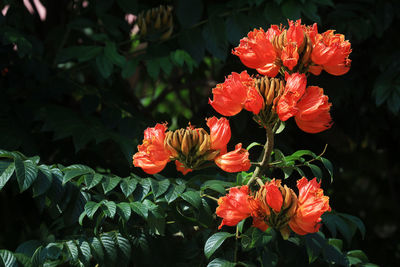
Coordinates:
(237,92)
(313,111)
(331,51)
(234,161)
(290,56)
(234,207)
(220,133)
(310,206)
(294,90)
(256,50)
(152,157)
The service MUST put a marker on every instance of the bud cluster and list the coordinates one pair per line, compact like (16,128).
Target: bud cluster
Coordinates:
(190,148)
(156,23)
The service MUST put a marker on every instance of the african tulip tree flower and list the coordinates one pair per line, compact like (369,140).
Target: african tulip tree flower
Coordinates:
(308,105)
(294,90)
(152,157)
(277,206)
(256,50)
(234,207)
(331,51)
(234,161)
(313,115)
(310,206)
(220,133)
(235,93)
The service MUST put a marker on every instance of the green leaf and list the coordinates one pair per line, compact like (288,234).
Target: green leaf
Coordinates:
(111,208)
(314,243)
(166,65)
(140,209)
(43,181)
(124,210)
(359,254)
(109,246)
(335,222)
(216,185)
(6,171)
(174,192)
(315,170)
(85,250)
(124,247)
(28,247)
(110,51)
(328,166)
(104,65)
(128,186)
(218,262)
(72,250)
(72,173)
(97,248)
(7,258)
(23,260)
(253,145)
(153,67)
(159,188)
(91,180)
(193,197)
(334,255)
(91,208)
(189,12)
(356,221)
(336,242)
(110,183)
(214,242)
(26,173)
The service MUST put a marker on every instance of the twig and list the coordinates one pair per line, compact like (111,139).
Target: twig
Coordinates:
(266,155)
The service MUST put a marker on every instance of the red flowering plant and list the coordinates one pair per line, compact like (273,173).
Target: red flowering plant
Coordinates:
(257,203)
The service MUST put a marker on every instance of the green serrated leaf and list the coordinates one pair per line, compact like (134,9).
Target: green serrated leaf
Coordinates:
(109,183)
(72,173)
(43,181)
(8,258)
(91,180)
(111,208)
(72,249)
(128,186)
(140,209)
(214,242)
(124,248)
(124,210)
(159,188)
(174,192)
(218,262)
(26,172)
(109,246)
(6,171)
(91,208)
(193,197)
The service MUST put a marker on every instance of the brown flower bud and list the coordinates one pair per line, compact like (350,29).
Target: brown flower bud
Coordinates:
(156,24)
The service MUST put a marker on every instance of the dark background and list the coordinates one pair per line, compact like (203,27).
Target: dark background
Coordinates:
(80,89)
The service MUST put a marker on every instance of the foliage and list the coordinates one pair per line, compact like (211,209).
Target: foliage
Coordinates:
(78,87)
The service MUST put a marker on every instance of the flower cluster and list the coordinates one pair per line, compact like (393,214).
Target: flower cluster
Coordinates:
(277,206)
(190,148)
(292,52)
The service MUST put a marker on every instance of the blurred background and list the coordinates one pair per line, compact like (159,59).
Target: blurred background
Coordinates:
(81,80)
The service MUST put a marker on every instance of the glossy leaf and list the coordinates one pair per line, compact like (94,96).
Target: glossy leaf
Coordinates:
(214,242)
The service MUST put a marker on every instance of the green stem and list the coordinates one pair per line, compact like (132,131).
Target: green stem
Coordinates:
(266,155)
